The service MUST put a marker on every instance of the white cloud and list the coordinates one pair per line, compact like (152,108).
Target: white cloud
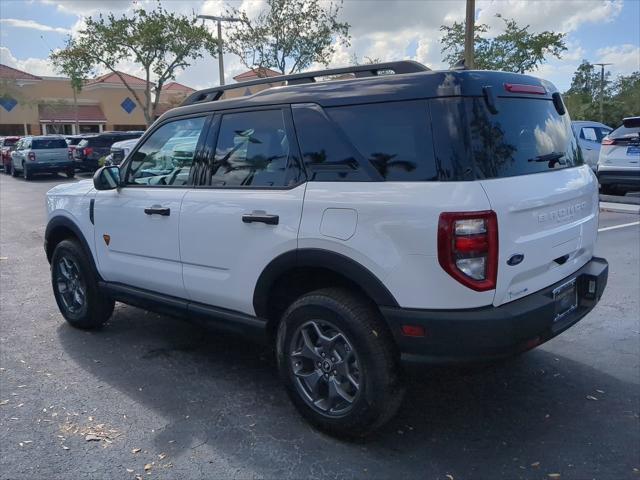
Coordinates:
(625,58)
(15,22)
(34,66)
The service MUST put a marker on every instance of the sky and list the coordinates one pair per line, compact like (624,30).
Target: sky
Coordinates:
(597,30)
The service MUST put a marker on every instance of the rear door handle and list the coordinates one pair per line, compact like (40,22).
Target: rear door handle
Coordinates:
(261,218)
(158,210)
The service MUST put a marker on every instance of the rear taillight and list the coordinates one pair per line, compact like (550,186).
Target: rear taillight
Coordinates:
(608,141)
(468,248)
(32,156)
(87,151)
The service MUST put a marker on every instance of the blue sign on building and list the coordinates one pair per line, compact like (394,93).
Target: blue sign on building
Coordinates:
(8,103)
(128,105)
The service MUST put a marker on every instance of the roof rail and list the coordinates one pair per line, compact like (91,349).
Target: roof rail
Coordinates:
(359,71)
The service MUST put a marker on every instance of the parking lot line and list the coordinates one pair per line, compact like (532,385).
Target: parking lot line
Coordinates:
(613,227)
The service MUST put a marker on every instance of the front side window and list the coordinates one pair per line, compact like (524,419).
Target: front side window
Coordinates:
(253,150)
(165,158)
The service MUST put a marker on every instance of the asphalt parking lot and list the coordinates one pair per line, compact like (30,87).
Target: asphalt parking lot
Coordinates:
(155,397)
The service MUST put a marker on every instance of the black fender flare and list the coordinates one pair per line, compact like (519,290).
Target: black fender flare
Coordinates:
(66,223)
(320,258)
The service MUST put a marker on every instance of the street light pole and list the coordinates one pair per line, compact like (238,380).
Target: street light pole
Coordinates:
(602,65)
(219,20)
(469,34)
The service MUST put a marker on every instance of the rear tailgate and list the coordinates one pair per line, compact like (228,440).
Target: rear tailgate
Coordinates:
(527,160)
(52,155)
(551,219)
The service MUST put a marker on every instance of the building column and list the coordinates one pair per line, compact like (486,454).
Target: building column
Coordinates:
(26,131)
(100,127)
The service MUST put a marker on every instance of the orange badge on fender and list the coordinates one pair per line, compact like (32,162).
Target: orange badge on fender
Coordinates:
(107,239)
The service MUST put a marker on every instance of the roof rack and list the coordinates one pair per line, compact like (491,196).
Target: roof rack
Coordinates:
(359,71)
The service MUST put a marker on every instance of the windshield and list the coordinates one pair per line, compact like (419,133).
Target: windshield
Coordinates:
(525,136)
(46,143)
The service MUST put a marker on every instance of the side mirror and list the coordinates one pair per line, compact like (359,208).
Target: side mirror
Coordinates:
(107,178)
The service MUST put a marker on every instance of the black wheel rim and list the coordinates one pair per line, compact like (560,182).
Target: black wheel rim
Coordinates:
(70,285)
(325,368)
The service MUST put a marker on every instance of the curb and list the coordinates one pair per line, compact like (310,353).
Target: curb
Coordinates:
(619,208)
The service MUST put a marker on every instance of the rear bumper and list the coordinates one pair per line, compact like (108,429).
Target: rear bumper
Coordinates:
(619,177)
(36,167)
(86,165)
(480,334)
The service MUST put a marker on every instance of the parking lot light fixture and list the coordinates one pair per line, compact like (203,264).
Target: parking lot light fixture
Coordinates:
(220,20)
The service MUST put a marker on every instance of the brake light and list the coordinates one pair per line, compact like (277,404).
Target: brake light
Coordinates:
(522,88)
(32,156)
(468,248)
(87,151)
(608,141)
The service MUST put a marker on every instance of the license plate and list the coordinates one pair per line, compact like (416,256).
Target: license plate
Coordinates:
(634,151)
(566,299)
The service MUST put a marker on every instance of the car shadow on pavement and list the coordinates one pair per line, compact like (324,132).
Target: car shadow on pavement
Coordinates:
(523,418)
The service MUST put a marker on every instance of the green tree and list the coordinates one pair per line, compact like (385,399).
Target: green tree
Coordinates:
(288,36)
(73,63)
(161,42)
(515,50)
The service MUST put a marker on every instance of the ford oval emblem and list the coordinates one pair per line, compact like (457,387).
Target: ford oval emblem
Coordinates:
(515,259)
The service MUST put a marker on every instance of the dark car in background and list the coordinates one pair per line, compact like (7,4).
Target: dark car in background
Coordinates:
(92,148)
(73,141)
(7,145)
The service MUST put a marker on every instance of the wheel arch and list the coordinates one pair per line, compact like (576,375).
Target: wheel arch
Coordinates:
(62,228)
(336,266)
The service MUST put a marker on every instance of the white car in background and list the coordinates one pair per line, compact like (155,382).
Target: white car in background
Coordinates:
(589,135)
(619,162)
(120,150)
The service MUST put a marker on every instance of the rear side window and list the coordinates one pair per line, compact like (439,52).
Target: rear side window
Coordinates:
(394,137)
(327,153)
(252,151)
(526,136)
(45,143)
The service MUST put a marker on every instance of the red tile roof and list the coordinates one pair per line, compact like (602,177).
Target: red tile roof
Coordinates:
(254,73)
(58,113)
(10,73)
(113,78)
(178,87)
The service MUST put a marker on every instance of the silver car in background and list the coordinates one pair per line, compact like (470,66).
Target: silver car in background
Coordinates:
(589,135)
(41,154)
(619,162)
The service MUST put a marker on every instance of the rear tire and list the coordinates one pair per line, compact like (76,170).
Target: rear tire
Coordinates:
(75,287)
(338,362)
(7,168)
(71,173)
(607,190)
(14,172)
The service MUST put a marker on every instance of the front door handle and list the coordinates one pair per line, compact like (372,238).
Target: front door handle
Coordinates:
(261,217)
(158,210)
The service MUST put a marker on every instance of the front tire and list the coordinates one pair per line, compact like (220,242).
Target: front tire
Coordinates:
(75,287)
(337,360)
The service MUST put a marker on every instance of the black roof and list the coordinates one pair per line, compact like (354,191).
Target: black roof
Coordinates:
(420,83)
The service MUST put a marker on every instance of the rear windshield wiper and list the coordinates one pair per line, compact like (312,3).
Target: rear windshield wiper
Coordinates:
(552,158)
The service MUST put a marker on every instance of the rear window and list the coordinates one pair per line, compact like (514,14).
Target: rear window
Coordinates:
(73,141)
(9,142)
(526,136)
(46,143)
(624,132)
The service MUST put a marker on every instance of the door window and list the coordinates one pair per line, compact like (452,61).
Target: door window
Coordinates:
(166,157)
(252,151)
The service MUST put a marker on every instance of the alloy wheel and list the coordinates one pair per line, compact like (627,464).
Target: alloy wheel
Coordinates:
(325,368)
(71,287)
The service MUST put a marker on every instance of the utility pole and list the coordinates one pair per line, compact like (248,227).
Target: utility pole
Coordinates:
(220,20)
(602,65)
(469,34)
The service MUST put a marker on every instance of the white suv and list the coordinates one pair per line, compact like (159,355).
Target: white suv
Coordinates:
(358,224)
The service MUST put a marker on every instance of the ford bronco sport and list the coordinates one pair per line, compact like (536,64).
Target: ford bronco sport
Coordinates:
(400,215)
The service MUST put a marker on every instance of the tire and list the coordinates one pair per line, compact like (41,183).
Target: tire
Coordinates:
(351,388)
(26,173)
(71,173)
(75,287)
(607,190)
(14,172)
(7,168)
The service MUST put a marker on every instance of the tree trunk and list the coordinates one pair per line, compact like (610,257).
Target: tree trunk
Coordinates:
(75,110)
